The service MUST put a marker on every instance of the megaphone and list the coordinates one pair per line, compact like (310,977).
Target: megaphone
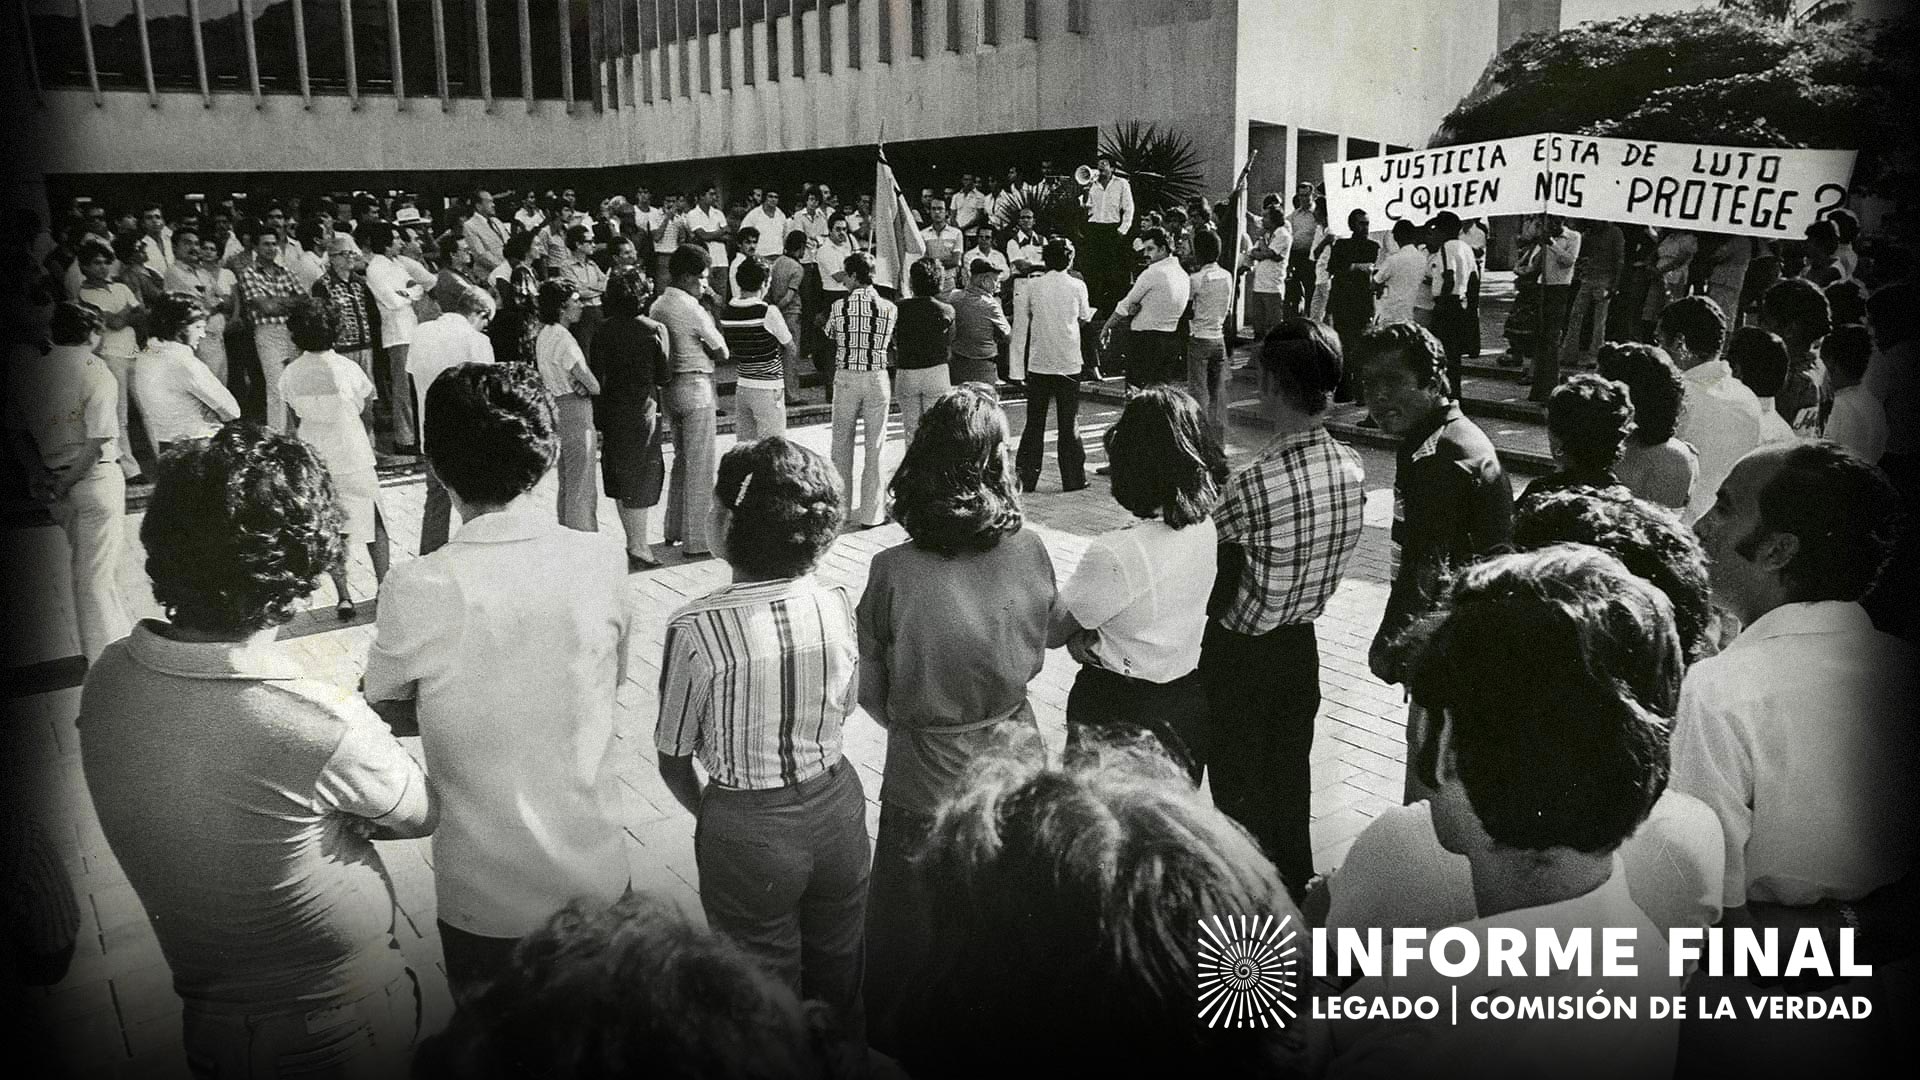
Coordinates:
(1084,175)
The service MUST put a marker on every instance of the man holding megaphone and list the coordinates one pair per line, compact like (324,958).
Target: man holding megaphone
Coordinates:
(1109,202)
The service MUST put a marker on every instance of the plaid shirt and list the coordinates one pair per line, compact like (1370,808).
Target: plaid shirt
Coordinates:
(861,326)
(757,680)
(262,281)
(347,310)
(1296,510)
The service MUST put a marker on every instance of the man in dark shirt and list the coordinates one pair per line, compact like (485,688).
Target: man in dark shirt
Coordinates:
(1451,500)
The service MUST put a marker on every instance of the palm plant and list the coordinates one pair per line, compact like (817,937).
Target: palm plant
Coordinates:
(1159,163)
(1056,208)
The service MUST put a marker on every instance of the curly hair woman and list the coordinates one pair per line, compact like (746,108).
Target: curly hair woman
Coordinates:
(1656,464)
(756,680)
(953,625)
(238,793)
(629,357)
(1588,420)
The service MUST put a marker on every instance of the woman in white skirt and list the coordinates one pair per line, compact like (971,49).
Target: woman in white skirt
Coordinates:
(326,392)
(563,368)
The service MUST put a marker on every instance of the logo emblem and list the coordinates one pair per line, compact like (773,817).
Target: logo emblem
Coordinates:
(1248,971)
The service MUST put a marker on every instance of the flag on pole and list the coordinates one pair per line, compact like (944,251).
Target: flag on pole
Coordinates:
(896,239)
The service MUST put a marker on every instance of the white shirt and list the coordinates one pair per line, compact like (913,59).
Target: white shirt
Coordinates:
(1404,274)
(394,291)
(1026,248)
(707,220)
(1721,418)
(1052,307)
(831,259)
(563,367)
(1858,422)
(1397,874)
(1270,275)
(513,639)
(159,249)
(439,344)
(1512,1047)
(1212,290)
(1110,203)
(113,298)
(178,395)
(1159,297)
(773,230)
(1453,255)
(327,392)
(1144,588)
(1773,427)
(964,205)
(1799,736)
(66,401)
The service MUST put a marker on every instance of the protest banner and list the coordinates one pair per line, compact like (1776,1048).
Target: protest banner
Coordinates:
(1746,191)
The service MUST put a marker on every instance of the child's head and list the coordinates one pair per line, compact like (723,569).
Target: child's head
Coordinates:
(1759,359)
(954,489)
(1845,353)
(776,509)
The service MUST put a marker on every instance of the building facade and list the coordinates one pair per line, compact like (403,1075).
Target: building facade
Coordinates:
(158,93)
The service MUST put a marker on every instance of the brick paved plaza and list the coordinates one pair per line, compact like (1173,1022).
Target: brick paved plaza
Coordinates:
(116,1014)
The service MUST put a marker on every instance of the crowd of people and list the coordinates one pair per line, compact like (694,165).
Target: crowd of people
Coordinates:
(1707,731)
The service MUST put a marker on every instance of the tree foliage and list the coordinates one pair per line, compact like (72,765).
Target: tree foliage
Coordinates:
(1727,77)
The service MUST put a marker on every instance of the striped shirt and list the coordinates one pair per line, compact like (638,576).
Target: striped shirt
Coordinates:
(756,333)
(861,326)
(757,680)
(1296,511)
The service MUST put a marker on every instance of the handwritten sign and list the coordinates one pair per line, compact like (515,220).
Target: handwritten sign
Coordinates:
(1745,191)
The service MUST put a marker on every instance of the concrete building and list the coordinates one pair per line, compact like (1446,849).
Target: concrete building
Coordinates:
(146,98)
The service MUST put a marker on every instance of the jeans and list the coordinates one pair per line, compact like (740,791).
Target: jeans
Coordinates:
(1266,310)
(579,472)
(1207,379)
(917,389)
(1063,391)
(91,515)
(783,873)
(1262,693)
(275,347)
(758,413)
(1579,343)
(899,922)
(1107,704)
(690,407)
(369,1037)
(861,396)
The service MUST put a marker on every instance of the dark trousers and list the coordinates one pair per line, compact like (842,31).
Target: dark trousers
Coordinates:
(1155,357)
(1459,335)
(1108,705)
(1063,391)
(472,960)
(1301,278)
(1554,301)
(899,923)
(1105,265)
(783,872)
(1262,694)
(436,517)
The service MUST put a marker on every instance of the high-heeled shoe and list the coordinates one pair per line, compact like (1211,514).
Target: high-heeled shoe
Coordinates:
(344,610)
